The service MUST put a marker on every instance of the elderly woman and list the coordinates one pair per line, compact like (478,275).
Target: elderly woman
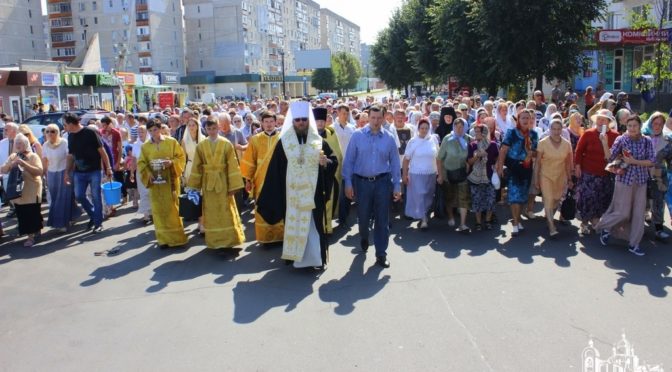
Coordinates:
(622,116)
(517,152)
(482,157)
(574,128)
(662,147)
(34,143)
(625,216)
(452,165)
(63,208)
(594,185)
(554,171)
(419,173)
(28,209)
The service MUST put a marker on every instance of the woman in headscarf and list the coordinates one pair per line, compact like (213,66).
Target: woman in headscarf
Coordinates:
(622,119)
(452,165)
(482,156)
(503,118)
(662,147)
(594,185)
(545,122)
(517,152)
(625,216)
(446,119)
(575,128)
(192,137)
(554,171)
(419,173)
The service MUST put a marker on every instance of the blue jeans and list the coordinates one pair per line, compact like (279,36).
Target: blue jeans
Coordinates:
(82,181)
(373,200)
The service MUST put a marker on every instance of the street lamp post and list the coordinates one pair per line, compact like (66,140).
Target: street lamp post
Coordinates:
(368,87)
(282,60)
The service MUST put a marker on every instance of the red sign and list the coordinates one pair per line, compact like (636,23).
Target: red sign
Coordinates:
(628,36)
(34,79)
(4,76)
(166,99)
(128,77)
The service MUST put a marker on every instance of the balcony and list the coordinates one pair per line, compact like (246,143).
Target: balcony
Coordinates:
(140,6)
(145,69)
(62,29)
(63,58)
(63,44)
(142,22)
(145,54)
(142,38)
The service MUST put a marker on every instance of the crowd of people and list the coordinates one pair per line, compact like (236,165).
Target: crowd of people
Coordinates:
(303,166)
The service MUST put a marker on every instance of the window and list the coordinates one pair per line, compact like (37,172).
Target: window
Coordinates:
(142,16)
(82,7)
(64,52)
(31,29)
(111,5)
(94,6)
(59,8)
(30,13)
(143,30)
(95,20)
(144,46)
(145,61)
(61,36)
(82,21)
(201,63)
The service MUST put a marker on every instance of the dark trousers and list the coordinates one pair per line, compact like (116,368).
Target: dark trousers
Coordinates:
(343,205)
(373,200)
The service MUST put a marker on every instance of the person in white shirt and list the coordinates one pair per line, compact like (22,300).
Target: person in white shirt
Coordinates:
(419,173)
(344,129)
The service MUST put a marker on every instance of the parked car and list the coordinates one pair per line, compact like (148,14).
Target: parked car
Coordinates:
(328,95)
(94,115)
(38,122)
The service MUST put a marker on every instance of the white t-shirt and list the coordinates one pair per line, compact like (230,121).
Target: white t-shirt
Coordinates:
(343,134)
(57,157)
(422,152)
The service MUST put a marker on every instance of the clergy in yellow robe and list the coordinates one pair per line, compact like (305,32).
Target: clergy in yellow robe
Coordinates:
(216,173)
(163,196)
(253,167)
(329,135)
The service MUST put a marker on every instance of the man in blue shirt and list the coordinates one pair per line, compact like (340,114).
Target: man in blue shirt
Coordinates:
(371,171)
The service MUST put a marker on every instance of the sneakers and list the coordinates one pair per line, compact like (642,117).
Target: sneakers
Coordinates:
(97,229)
(604,237)
(662,234)
(520,227)
(514,231)
(451,222)
(423,224)
(636,251)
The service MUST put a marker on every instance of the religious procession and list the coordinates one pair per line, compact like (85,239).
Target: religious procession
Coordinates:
(308,167)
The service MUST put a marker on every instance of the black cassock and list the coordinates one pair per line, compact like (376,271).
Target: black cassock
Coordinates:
(272,200)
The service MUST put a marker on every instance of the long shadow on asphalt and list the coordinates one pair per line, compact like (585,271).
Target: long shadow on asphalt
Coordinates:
(354,286)
(651,271)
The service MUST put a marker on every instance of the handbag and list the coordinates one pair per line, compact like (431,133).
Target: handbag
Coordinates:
(652,189)
(517,169)
(190,208)
(496,182)
(457,176)
(14,188)
(568,207)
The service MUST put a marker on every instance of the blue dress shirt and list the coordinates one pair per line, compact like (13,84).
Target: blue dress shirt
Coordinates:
(371,154)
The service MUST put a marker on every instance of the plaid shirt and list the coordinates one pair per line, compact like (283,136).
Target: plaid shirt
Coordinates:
(641,149)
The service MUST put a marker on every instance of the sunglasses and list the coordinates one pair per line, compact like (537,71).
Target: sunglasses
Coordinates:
(300,119)
(50,131)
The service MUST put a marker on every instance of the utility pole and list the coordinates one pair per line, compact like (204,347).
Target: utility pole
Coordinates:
(282,60)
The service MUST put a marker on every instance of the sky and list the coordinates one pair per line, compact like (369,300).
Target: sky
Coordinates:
(370,15)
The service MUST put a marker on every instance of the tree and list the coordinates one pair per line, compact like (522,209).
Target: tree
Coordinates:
(659,65)
(346,69)
(389,55)
(323,79)
(456,28)
(422,49)
(530,52)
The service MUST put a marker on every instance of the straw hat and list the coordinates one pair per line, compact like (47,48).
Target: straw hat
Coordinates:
(603,113)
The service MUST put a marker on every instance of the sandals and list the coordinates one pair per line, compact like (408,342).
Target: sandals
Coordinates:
(463,229)
(29,242)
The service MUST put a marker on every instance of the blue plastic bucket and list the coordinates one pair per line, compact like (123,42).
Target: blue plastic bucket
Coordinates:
(111,193)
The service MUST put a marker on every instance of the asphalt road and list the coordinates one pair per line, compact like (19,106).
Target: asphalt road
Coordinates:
(450,302)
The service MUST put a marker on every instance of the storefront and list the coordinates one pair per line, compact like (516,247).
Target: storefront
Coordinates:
(247,86)
(128,96)
(623,51)
(146,89)
(74,95)
(25,92)
(50,93)
(172,81)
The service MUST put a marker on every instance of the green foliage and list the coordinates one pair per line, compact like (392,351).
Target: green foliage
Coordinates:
(323,79)
(484,43)
(389,55)
(658,66)
(346,70)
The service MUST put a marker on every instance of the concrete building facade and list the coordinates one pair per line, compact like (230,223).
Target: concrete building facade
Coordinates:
(134,35)
(339,34)
(21,31)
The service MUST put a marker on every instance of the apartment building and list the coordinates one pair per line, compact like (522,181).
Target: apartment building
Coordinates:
(237,47)
(338,34)
(21,31)
(140,36)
